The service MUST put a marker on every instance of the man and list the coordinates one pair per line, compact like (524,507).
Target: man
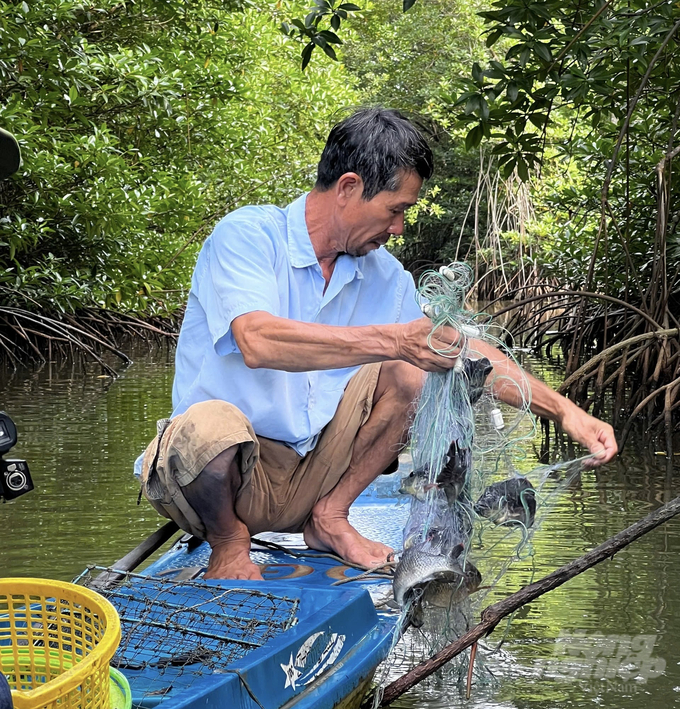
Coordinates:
(301,352)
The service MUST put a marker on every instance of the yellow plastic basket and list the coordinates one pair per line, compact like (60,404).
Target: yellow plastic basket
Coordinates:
(56,642)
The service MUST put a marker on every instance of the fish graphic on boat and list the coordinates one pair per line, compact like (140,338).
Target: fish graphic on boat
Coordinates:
(316,654)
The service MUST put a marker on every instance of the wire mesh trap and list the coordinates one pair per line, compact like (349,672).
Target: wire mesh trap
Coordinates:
(174,633)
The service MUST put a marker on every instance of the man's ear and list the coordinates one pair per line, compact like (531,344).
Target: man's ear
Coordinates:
(349,186)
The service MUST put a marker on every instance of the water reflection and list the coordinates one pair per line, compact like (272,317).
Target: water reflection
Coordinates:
(81,433)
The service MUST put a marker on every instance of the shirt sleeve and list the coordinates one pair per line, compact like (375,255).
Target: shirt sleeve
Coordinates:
(238,275)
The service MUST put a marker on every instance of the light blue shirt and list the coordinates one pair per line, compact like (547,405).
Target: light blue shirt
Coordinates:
(261,258)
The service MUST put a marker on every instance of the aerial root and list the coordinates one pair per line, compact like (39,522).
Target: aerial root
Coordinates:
(28,336)
(473,654)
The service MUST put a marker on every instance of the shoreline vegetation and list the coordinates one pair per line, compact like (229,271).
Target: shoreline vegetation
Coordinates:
(554,126)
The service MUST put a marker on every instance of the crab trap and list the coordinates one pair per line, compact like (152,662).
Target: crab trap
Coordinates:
(173,633)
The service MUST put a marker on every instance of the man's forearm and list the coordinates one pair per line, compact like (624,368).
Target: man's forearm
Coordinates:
(267,341)
(279,343)
(509,388)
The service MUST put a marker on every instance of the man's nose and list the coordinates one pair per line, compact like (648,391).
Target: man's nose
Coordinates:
(397,225)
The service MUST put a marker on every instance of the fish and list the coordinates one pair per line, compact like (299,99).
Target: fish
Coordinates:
(476,372)
(438,595)
(510,501)
(427,572)
(451,478)
(434,558)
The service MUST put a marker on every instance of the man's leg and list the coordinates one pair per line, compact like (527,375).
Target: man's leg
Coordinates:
(377,444)
(213,492)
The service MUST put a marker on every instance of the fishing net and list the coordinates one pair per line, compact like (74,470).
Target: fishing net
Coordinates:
(475,500)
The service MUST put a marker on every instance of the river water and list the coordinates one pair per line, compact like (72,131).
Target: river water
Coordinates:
(608,638)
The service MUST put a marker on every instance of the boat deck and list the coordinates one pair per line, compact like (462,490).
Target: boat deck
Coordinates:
(309,636)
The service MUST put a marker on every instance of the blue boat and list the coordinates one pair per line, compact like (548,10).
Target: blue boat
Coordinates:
(308,636)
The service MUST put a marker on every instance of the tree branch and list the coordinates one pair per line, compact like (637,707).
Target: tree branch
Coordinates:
(492,615)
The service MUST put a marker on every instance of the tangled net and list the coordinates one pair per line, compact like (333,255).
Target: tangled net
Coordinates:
(472,513)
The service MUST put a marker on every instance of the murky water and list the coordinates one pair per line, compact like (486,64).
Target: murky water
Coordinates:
(80,433)
(585,644)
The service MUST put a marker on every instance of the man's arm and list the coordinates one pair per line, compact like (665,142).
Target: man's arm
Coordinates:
(597,436)
(279,343)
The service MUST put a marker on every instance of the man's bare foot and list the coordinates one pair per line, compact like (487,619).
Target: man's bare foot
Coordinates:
(329,530)
(226,563)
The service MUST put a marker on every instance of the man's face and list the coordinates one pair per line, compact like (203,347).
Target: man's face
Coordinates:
(369,224)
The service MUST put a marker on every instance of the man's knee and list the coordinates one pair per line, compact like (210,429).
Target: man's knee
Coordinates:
(401,381)
(197,467)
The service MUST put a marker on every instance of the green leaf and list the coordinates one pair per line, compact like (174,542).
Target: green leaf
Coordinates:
(307,55)
(349,6)
(330,52)
(473,104)
(508,168)
(474,137)
(524,55)
(477,73)
(522,170)
(542,51)
(335,22)
(330,37)
(538,119)
(493,37)
(408,4)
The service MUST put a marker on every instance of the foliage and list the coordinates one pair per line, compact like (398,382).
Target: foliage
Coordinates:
(140,125)
(308,32)
(595,85)
(586,95)
(411,61)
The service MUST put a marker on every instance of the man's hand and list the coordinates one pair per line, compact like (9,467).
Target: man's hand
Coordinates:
(412,345)
(597,436)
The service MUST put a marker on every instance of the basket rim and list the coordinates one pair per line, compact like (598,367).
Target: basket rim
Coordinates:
(102,652)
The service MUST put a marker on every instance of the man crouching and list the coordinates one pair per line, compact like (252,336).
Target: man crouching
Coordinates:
(301,352)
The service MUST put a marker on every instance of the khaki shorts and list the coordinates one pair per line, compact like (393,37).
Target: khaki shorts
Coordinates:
(278,488)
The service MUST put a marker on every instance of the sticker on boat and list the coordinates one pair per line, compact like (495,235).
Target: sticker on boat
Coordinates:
(316,654)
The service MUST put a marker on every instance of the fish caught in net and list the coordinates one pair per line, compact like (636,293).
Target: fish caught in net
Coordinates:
(473,512)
